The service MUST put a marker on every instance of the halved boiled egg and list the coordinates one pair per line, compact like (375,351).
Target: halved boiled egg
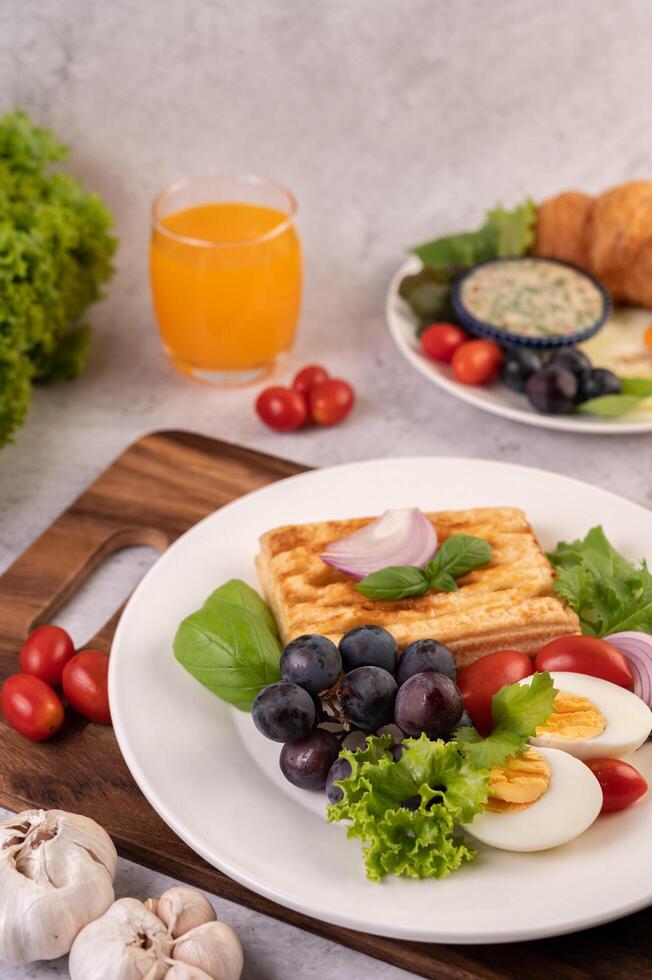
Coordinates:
(593,718)
(538,800)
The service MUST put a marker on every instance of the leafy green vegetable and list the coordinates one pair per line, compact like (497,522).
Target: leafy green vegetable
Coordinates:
(428,293)
(457,556)
(642,387)
(419,843)
(396,582)
(229,644)
(517,710)
(608,593)
(609,406)
(503,234)
(55,255)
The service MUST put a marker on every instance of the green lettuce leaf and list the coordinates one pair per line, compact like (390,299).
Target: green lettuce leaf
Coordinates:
(503,234)
(444,788)
(608,593)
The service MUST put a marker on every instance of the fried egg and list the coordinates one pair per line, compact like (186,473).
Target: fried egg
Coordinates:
(593,718)
(554,799)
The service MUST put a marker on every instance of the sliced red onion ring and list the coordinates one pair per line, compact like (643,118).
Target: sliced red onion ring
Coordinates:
(398,537)
(637,647)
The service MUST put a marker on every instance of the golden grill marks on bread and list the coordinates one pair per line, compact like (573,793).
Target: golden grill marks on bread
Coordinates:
(507,604)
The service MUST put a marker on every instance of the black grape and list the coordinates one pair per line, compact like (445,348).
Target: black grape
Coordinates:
(311,661)
(430,703)
(341,769)
(425,655)
(306,763)
(368,646)
(367,697)
(283,712)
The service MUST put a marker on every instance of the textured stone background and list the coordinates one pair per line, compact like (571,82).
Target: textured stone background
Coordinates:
(390,121)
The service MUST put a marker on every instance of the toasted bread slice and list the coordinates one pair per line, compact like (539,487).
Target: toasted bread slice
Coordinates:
(508,604)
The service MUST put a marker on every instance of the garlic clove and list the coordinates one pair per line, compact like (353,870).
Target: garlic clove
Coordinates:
(56,875)
(214,948)
(183,908)
(182,971)
(127,943)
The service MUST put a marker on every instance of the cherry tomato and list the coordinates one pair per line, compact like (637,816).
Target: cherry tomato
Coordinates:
(476,362)
(331,401)
(586,655)
(647,337)
(282,408)
(85,685)
(440,341)
(311,375)
(621,784)
(481,680)
(45,653)
(31,707)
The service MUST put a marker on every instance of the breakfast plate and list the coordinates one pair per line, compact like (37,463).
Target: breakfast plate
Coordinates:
(496,398)
(206,770)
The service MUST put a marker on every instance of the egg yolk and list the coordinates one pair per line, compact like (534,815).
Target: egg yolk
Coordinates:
(574,717)
(518,783)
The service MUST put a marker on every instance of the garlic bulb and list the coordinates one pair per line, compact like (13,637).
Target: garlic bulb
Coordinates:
(183,908)
(56,875)
(214,948)
(127,943)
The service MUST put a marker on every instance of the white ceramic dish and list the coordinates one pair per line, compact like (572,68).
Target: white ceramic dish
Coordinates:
(494,398)
(216,781)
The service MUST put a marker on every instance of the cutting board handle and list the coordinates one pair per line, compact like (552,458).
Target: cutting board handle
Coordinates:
(53,568)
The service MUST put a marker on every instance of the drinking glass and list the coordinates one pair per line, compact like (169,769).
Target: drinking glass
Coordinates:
(225,268)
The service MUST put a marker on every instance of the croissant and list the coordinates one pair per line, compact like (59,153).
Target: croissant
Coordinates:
(609,236)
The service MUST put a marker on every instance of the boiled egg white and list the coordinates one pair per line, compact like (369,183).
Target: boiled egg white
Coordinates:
(568,807)
(627,721)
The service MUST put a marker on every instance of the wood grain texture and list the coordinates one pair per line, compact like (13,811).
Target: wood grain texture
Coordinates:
(155,491)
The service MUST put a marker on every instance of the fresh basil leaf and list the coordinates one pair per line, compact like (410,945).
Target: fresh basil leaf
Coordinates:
(397,582)
(229,650)
(239,593)
(443,582)
(457,556)
(609,406)
(642,387)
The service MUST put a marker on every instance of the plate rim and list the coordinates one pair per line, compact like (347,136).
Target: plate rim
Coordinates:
(394,320)
(469,937)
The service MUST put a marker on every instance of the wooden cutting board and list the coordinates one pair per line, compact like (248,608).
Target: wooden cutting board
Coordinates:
(154,492)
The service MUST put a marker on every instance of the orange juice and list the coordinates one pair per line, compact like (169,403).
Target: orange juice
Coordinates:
(226,284)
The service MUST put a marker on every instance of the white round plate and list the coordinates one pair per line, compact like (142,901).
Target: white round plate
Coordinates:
(494,398)
(216,782)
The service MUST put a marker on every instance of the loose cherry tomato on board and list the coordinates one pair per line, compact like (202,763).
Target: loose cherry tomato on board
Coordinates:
(476,362)
(479,682)
(621,784)
(330,401)
(282,408)
(439,341)
(31,707)
(586,655)
(85,685)
(45,653)
(311,375)
(647,337)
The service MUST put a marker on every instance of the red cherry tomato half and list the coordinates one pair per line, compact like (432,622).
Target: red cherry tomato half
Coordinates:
(31,707)
(282,408)
(45,653)
(439,341)
(85,685)
(481,680)
(621,784)
(309,376)
(331,401)
(586,655)
(476,362)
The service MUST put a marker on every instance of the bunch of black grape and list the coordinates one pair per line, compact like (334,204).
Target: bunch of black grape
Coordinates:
(371,687)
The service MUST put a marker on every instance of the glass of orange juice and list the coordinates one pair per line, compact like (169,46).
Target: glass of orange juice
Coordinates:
(225,267)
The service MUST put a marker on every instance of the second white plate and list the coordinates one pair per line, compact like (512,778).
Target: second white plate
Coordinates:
(494,398)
